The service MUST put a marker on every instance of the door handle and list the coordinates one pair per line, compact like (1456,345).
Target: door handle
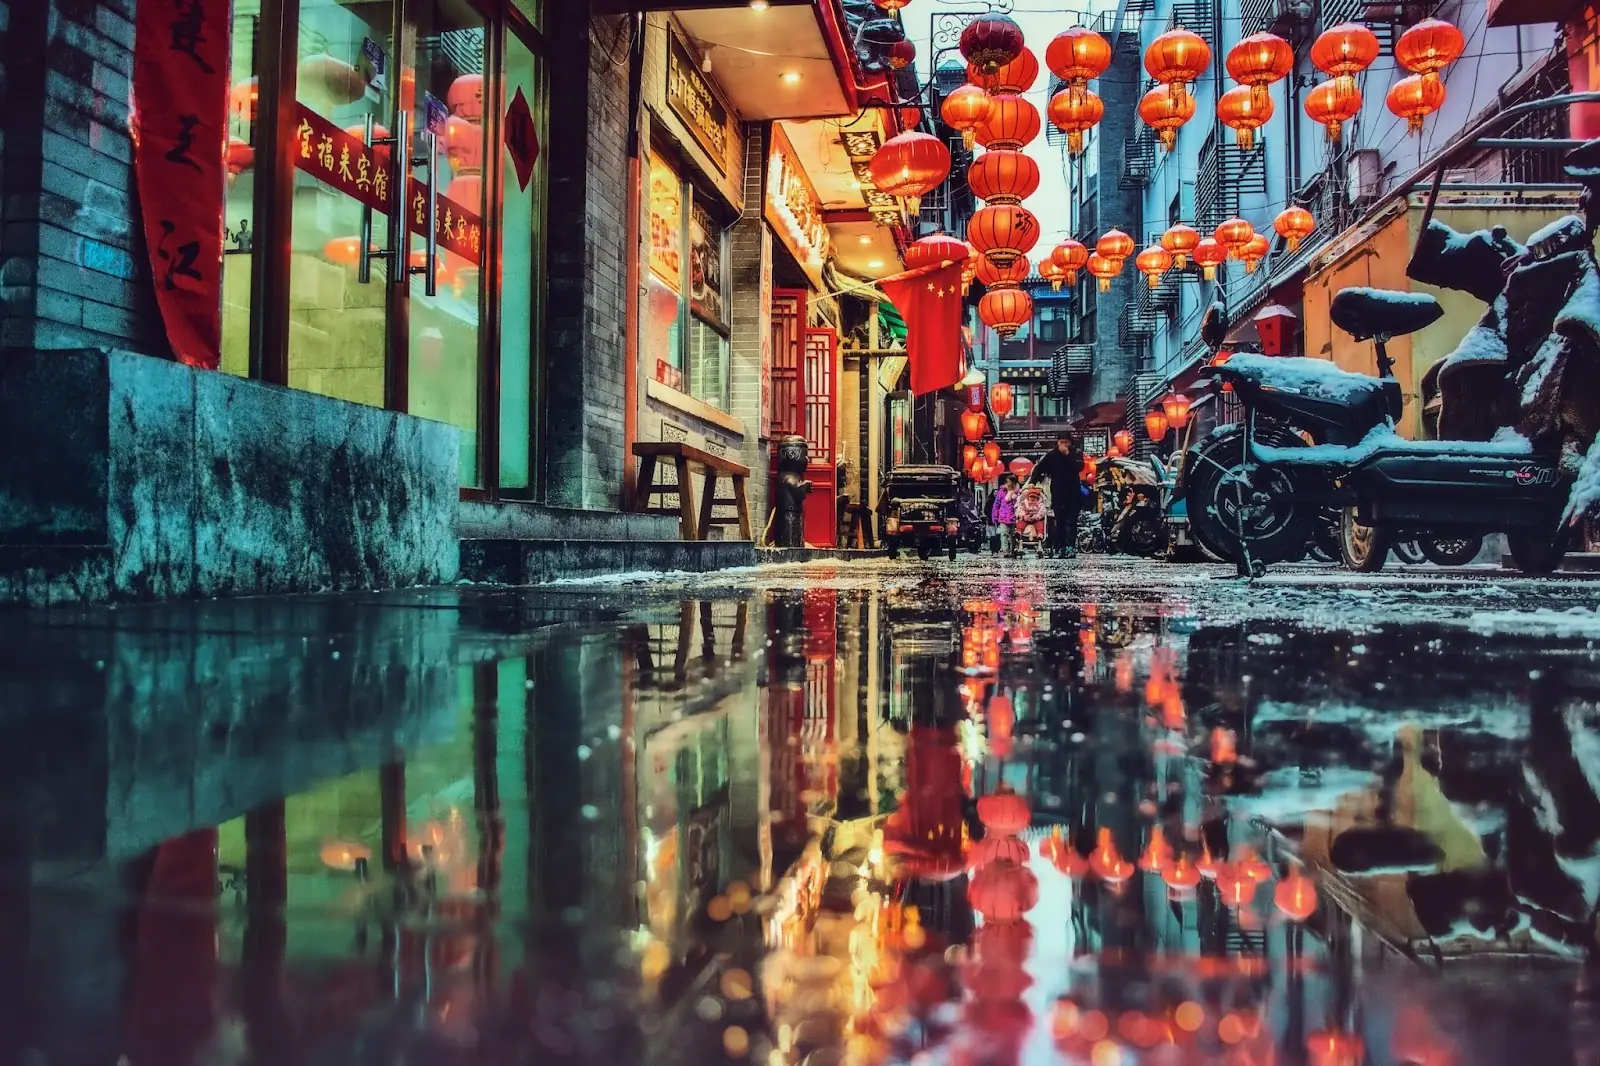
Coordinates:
(364,267)
(399,240)
(430,262)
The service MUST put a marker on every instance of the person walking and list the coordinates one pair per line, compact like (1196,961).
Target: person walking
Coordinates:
(1060,468)
(1003,513)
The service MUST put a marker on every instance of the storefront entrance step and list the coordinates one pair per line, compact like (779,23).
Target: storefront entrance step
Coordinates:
(503,561)
(512,520)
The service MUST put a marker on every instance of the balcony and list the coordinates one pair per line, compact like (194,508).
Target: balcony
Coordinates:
(1225,173)
(1138,159)
(1289,19)
(1070,364)
(1137,324)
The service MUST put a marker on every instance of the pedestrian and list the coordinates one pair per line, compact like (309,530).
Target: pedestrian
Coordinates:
(1060,467)
(1003,513)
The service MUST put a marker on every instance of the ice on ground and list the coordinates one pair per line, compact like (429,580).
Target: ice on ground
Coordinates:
(1572,622)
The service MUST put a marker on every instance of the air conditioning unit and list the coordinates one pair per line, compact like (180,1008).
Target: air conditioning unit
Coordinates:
(1366,175)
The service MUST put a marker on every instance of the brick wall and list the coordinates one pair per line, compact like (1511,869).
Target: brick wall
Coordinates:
(1121,208)
(73,272)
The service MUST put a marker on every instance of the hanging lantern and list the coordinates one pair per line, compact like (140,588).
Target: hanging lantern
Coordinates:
(939,249)
(969,452)
(1177,58)
(1155,426)
(1003,891)
(991,450)
(1012,123)
(1234,891)
(1003,232)
(910,117)
(1001,402)
(891,6)
(901,54)
(334,79)
(1071,257)
(910,165)
(1104,270)
(1075,114)
(1003,176)
(1005,311)
(1020,468)
(343,251)
(1113,452)
(1296,896)
(1004,811)
(1077,56)
(1181,875)
(1414,98)
(1165,112)
(990,41)
(1175,406)
(1013,79)
(994,847)
(1050,272)
(238,157)
(1254,251)
(977,396)
(1259,60)
(1274,325)
(1181,241)
(1294,224)
(1115,246)
(1244,114)
(1124,440)
(1062,855)
(1106,863)
(965,109)
(1333,103)
(1234,234)
(1210,254)
(1153,262)
(1343,51)
(976,470)
(1010,276)
(1429,47)
(974,425)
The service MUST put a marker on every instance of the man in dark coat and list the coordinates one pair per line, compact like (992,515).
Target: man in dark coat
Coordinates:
(1060,467)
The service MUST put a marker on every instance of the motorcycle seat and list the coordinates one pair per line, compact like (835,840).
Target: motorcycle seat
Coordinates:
(1367,313)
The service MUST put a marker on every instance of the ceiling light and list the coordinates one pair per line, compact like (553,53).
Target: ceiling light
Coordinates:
(758,5)
(791,77)
(875,264)
(866,238)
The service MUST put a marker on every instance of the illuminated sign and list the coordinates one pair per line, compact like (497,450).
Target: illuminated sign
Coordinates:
(691,99)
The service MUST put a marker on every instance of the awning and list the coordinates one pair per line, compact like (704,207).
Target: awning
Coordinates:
(890,324)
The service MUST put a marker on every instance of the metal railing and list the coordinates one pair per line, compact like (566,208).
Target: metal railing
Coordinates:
(1226,172)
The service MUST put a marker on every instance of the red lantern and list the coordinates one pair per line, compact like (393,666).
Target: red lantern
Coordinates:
(1181,241)
(1003,176)
(1294,224)
(1013,79)
(990,41)
(1296,896)
(1274,325)
(1106,863)
(1165,113)
(1078,56)
(910,165)
(991,453)
(1181,875)
(343,251)
(1176,407)
(1003,943)
(995,847)
(901,54)
(1124,441)
(1210,254)
(1076,113)
(1021,467)
(891,6)
(1071,257)
(974,425)
(1050,272)
(1234,234)
(1003,232)
(1414,98)
(977,470)
(1115,246)
(333,78)
(936,250)
(1333,103)
(976,395)
(239,157)
(1062,855)
(1255,250)
(965,109)
(1177,58)
(1243,113)
(1155,426)
(465,97)
(1010,276)
(1259,60)
(1153,262)
(969,452)
(1000,400)
(1012,123)
(910,117)
(1004,811)
(463,144)
(1429,47)
(1344,51)
(1104,270)
(1003,892)
(1234,890)
(1005,311)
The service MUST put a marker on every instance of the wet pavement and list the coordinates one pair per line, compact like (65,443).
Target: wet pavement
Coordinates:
(983,813)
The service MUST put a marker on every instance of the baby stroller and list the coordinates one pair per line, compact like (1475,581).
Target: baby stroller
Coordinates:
(1033,513)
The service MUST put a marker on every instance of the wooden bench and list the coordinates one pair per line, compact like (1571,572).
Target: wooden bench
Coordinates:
(858,526)
(694,524)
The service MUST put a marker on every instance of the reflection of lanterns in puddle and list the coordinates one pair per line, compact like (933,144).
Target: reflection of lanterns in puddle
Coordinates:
(1247,864)
(1062,855)
(1224,747)
(1157,854)
(1235,889)
(346,856)
(1207,865)
(1002,721)
(1334,1048)
(1296,896)
(1181,876)
(1107,863)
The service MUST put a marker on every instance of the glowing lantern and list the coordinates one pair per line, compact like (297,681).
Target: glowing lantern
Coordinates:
(1334,1048)
(1210,254)
(1003,891)
(1155,425)
(991,453)
(1071,257)
(1062,855)
(973,425)
(1003,176)
(1005,311)
(910,165)
(969,452)
(1004,811)
(1153,262)
(1157,853)
(243,98)
(463,144)
(996,847)
(1020,468)
(343,251)
(1001,400)
(1259,60)
(1181,241)
(1114,452)
(1208,867)
(1010,276)
(977,470)
(1051,273)
(1003,232)
(1177,58)
(1234,234)
(1274,325)
(1343,51)
(891,6)
(1429,47)
(343,855)
(1104,270)
(1244,114)
(1235,891)
(1414,98)
(938,249)
(1075,114)
(1164,112)
(901,54)
(1123,440)
(1333,103)
(1181,875)
(990,41)
(1296,896)
(1013,79)
(239,157)
(1294,224)
(1012,123)
(965,109)
(1255,250)
(1176,407)
(1106,863)
(1249,865)
(1115,246)
(910,117)
(977,395)
(465,97)
(1077,56)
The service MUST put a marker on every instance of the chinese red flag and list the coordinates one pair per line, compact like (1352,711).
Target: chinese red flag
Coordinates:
(930,302)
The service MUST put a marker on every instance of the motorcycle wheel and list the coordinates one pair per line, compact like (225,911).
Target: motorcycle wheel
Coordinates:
(1536,553)
(1451,551)
(1409,551)
(1219,477)
(924,550)
(1364,549)
(1139,533)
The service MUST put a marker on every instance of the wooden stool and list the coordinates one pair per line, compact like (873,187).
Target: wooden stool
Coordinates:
(692,524)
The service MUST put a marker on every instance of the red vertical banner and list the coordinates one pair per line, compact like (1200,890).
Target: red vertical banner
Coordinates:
(1583,68)
(180,100)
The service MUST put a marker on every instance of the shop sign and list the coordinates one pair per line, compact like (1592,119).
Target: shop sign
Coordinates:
(666,224)
(1096,442)
(363,172)
(706,282)
(691,98)
(794,209)
(764,326)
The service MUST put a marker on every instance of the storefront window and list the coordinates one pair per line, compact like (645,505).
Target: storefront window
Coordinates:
(685,326)
(238,239)
(522,262)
